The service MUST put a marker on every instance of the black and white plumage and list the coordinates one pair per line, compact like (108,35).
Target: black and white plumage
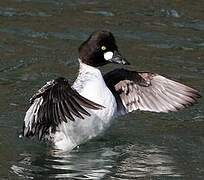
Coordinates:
(149,91)
(69,115)
(54,103)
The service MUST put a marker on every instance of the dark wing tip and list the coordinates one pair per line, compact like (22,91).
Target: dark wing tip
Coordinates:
(198,94)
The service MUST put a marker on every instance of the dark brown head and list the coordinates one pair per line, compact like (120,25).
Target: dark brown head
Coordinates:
(99,49)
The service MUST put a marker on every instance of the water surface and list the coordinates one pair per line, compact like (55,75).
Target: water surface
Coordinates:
(39,41)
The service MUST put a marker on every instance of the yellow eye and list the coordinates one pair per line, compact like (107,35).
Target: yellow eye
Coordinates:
(103,48)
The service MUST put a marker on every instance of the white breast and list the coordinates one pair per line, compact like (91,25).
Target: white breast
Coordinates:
(91,85)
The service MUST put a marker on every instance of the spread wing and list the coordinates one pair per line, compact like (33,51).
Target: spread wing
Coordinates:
(148,91)
(54,103)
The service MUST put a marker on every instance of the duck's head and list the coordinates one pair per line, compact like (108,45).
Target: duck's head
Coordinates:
(99,49)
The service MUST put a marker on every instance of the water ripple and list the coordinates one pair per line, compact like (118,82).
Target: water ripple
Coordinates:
(146,162)
(71,34)
(195,25)
(10,12)
(76,165)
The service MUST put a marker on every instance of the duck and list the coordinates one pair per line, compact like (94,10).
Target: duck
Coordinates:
(68,115)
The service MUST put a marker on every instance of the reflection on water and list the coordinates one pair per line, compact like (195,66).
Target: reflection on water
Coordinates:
(146,162)
(92,164)
(39,41)
(134,161)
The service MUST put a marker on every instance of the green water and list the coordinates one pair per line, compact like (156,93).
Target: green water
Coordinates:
(39,41)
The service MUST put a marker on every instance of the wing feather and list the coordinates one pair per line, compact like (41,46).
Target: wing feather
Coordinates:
(148,91)
(54,103)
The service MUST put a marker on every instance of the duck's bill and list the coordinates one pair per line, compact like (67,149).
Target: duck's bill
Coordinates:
(115,57)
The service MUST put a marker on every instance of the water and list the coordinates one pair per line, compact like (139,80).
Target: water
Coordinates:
(39,41)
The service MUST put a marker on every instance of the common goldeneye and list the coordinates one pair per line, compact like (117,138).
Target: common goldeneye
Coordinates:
(68,115)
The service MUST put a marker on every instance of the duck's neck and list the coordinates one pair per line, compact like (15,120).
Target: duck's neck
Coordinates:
(86,74)
(85,68)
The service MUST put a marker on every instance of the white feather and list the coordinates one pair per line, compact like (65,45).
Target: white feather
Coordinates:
(89,84)
(108,55)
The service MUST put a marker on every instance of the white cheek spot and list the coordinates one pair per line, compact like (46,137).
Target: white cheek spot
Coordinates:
(108,55)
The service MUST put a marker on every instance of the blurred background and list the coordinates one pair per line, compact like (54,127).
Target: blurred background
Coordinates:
(39,41)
